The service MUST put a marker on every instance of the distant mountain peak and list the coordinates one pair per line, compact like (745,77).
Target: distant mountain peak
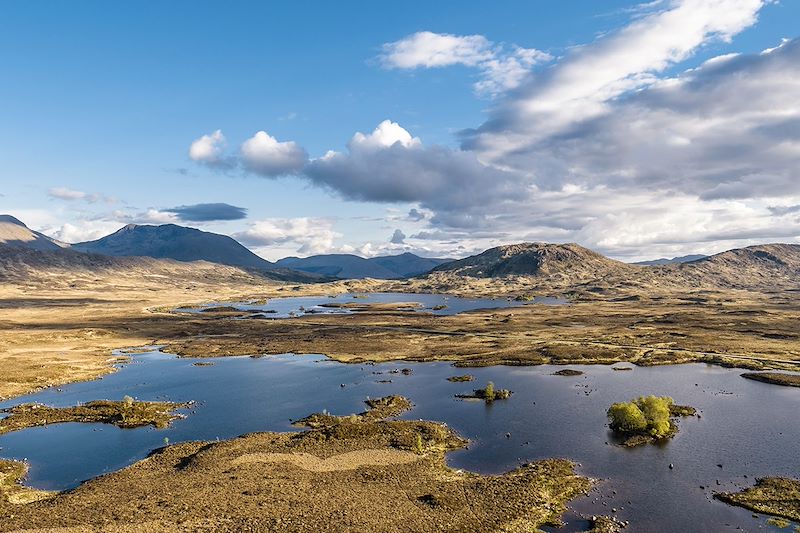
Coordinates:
(171,241)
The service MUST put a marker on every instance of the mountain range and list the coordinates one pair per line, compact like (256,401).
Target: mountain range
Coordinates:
(24,252)
(179,243)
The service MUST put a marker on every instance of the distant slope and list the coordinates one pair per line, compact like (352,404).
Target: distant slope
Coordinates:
(15,233)
(170,241)
(65,267)
(348,266)
(764,266)
(667,261)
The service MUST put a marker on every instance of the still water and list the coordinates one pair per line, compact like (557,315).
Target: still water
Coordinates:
(749,428)
(438,304)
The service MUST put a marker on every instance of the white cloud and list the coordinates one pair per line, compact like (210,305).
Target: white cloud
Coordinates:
(501,67)
(600,147)
(428,49)
(390,165)
(83,230)
(582,84)
(309,235)
(70,195)
(264,155)
(209,149)
(387,134)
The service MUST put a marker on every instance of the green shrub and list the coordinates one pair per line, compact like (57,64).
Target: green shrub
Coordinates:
(488,392)
(645,415)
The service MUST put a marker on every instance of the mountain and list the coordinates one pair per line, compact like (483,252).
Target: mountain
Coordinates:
(666,261)
(348,266)
(535,259)
(559,268)
(763,266)
(15,233)
(170,241)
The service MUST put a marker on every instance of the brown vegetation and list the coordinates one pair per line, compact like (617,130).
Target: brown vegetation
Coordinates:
(358,473)
(126,413)
(776,378)
(775,496)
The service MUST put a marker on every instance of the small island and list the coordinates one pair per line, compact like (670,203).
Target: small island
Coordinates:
(461,379)
(646,419)
(776,496)
(127,413)
(568,372)
(489,394)
(775,378)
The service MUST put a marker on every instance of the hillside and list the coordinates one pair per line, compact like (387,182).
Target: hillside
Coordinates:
(67,268)
(522,269)
(764,266)
(170,241)
(15,233)
(348,266)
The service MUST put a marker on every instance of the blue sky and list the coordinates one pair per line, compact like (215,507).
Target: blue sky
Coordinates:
(101,103)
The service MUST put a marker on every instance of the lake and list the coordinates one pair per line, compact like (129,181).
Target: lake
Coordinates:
(748,427)
(437,304)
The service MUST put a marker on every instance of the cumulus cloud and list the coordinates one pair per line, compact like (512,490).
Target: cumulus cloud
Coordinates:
(501,67)
(83,230)
(390,165)
(263,154)
(310,235)
(398,237)
(208,212)
(209,150)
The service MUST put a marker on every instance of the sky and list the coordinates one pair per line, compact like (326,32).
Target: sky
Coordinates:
(639,130)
